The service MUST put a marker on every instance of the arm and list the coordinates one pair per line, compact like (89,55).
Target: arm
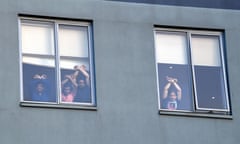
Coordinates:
(82,69)
(70,78)
(179,90)
(172,81)
(165,90)
(65,80)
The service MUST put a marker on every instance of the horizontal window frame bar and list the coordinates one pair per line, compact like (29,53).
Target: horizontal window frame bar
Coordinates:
(60,106)
(196,114)
(39,21)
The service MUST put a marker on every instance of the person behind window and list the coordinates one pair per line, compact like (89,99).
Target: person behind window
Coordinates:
(39,88)
(68,88)
(172,94)
(83,84)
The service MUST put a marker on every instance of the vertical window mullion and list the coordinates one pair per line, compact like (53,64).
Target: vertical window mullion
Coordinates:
(57,60)
(20,57)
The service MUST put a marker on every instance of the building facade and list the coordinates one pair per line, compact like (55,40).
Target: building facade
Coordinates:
(128,53)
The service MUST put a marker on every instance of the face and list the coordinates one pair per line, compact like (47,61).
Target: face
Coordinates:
(173,96)
(81,83)
(40,87)
(67,90)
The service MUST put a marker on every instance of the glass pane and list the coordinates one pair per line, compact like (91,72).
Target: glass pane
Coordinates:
(175,87)
(74,64)
(209,77)
(37,38)
(39,79)
(205,50)
(174,73)
(73,41)
(210,89)
(75,84)
(171,47)
(39,83)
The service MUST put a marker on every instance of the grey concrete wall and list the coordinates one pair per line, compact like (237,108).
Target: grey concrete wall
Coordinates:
(127,111)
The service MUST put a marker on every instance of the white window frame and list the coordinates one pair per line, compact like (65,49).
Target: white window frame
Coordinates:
(196,109)
(56,22)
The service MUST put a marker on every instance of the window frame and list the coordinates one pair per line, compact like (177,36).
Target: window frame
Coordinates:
(196,111)
(56,22)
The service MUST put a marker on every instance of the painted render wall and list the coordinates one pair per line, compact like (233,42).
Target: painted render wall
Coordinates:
(127,107)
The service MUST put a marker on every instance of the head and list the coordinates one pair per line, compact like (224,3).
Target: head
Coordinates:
(173,96)
(81,80)
(81,83)
(40,87)
(67,89)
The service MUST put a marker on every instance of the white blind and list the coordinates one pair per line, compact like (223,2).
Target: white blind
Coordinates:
(205,50)
(73,41)
(171,48)
(37,39)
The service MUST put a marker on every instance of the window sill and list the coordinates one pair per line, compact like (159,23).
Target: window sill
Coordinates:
(196,114)
(60,106)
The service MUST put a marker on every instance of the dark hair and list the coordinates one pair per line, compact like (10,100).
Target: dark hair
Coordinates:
(68,85)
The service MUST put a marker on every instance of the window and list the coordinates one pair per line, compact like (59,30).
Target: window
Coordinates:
(191,72)
(56,63)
